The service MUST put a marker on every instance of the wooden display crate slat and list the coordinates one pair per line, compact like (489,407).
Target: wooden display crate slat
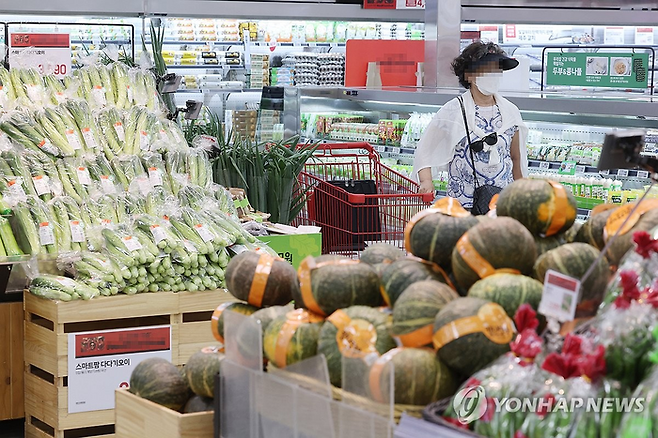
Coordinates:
(194,332)
(49,323)
(137,417)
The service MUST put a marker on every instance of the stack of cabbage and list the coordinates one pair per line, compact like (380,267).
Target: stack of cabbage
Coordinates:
(97,176)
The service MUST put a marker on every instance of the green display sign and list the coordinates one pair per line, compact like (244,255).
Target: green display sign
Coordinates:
(567,168)
(612,70)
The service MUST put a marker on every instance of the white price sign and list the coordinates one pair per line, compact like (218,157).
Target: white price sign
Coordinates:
(50,53)
(560,296)
(622,172)
(101,361)
(544,165)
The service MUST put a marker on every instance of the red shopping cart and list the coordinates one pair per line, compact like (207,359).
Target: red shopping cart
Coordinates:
(357,199)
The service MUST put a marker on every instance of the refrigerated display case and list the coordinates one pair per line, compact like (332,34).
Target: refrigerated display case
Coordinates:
(563,128)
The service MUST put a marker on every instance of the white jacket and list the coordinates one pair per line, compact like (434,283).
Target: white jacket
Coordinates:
(436,148)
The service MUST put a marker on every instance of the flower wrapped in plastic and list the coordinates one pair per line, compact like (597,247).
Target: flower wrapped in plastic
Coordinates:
(638,269)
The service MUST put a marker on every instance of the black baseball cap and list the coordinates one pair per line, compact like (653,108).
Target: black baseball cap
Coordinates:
(505,62)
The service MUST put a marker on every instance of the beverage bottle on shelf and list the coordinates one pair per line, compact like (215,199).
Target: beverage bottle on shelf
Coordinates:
(597,188)
(616,194)
(589,183)
(606,189)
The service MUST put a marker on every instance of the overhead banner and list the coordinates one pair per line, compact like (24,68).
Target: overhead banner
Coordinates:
(608,70)
(49,53)
(99,362)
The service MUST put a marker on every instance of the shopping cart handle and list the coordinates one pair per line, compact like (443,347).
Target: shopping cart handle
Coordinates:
(428,197)
(356,198)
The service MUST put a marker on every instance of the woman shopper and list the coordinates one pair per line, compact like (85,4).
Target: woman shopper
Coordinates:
(495,138)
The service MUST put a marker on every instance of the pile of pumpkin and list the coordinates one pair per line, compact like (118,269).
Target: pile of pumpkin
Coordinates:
(440,314)
(187,390)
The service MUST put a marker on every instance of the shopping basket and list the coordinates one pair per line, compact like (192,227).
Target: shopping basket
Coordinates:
(356,199)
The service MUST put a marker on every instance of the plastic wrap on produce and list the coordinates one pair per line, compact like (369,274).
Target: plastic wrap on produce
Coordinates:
(38,232)
(66,212)
(157,171)
(111,122)
(25,130)
(90,131)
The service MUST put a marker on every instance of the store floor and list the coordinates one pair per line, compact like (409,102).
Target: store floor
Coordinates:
(12,429)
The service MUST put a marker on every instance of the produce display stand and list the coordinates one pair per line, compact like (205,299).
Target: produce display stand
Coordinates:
(48,324)
(356,199)
(138,417)
(295,402)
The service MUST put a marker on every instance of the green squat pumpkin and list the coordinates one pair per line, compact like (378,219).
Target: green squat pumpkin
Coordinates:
(415,310)
(267,315)
(420,378)
(292,337)
(161,382)
(217,319)
(433,233)
(201,369)
(355,331)
(624,242)
(199,404)
(261,279)
(592,231)
(329,283)
(509,291)
(471,332)
(403,273)
(500,245)
(381,253)
(545,208)
(574,259)
(544,244)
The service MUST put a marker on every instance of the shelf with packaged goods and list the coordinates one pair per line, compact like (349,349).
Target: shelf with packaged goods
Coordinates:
(208,66)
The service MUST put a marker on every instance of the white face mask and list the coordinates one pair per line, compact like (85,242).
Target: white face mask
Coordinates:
(489,83)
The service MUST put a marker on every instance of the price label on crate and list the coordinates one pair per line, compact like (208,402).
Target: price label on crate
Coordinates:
(41,184)
(77,231)
(83,176)
(642,174)
(204,233)
(99,362)
(132,243)
(544,165)
(46,234)
(622,172)
(49,53)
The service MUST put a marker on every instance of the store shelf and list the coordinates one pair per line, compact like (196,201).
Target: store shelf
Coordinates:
(202,43)
(555,165)
(289,44)
(208,66)
(222,90)
(101,41)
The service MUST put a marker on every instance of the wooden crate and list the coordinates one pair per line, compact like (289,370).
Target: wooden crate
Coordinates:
(137,417)
(48,324)
(11,361)
(195,309)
